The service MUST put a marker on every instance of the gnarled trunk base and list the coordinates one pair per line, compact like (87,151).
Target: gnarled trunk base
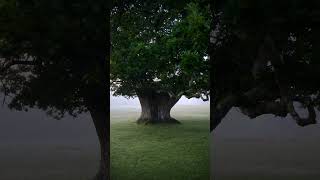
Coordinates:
(151,121)
(156,107)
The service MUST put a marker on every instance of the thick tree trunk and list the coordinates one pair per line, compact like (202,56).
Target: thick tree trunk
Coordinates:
(96,92)
(98,106)
(102,125)
(156,107)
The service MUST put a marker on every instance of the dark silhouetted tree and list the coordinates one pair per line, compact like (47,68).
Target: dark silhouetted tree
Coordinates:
(54,56)
(265,57)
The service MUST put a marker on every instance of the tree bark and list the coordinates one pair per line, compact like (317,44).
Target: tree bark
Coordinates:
(102,125)
(98,106)
(156,107)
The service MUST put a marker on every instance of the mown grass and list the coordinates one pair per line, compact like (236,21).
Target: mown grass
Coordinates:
(161,152)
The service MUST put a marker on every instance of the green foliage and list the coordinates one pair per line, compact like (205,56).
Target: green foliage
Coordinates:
(160,46)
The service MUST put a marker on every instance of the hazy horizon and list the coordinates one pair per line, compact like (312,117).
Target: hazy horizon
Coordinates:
(119,101)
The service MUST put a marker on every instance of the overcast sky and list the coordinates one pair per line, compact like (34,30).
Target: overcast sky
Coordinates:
(116,101)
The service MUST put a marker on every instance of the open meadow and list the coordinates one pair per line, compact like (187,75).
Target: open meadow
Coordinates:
(157,152)
(35,147)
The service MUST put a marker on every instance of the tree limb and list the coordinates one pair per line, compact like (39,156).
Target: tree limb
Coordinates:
(220,109)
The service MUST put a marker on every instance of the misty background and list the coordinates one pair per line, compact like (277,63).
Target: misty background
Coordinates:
(19,127)
(40,147)
(267,147)
(240,147)
(120,102)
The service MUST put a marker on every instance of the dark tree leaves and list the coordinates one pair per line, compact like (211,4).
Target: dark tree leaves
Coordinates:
(53,54)
(265,57)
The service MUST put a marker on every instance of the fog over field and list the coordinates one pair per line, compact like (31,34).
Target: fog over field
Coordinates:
(35,147)
(267,148)
(39,147)
(36,126)
(241,148)
(120,102)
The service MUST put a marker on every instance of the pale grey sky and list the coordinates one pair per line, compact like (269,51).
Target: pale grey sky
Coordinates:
(122,101)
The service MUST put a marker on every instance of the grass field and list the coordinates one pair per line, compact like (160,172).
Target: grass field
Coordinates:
(161,152)
(34,147)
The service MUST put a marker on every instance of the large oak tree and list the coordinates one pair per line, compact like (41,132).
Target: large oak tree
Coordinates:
(159,53)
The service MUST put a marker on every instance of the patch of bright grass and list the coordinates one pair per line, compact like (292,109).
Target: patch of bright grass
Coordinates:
(161,152)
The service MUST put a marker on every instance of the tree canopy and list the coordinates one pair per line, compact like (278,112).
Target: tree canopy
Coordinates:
(160,45)
(52,53)
(265,57)
(54,56)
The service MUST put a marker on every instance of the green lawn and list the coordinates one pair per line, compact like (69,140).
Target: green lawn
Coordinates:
(164,152)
